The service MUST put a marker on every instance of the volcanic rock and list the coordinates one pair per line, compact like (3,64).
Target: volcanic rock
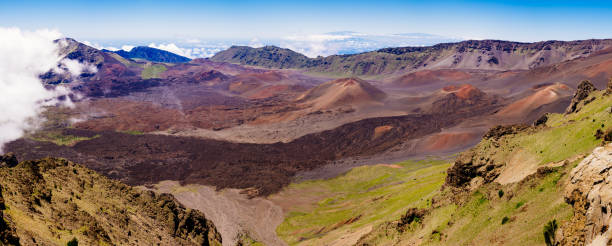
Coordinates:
(582,92)
(8,160)
(590,193)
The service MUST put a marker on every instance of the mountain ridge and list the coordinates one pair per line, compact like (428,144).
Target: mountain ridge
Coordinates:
(151,54)
(471,54)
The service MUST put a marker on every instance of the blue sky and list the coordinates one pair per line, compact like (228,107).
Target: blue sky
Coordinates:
(137,20)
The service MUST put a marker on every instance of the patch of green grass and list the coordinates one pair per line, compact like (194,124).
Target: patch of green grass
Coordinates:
(132,132)
(569,135)
(478,223)
(374,194)
(59,138)
(564,137)
(151,71)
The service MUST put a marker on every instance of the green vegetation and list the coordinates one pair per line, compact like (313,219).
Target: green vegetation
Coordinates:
(363,197)
(505,220)
(486,219)
(132,132)
(59,138)
(549,233)
(152,71)
(73,242)
(564,137)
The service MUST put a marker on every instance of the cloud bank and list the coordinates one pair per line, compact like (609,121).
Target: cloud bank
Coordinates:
(334,43)
(311,45)
(24,55)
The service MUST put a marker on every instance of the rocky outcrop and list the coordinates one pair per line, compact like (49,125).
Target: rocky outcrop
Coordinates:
(474,167)
(502,130)
(582,92)
(54,200)
(471,169)
(7,231)
(412,215)
(8,160)
(590,193)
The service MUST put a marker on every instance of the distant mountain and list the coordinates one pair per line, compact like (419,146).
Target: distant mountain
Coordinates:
(267,56)
(472,54)
(151,54)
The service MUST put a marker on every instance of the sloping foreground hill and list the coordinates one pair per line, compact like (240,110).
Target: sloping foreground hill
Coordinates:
(517,183)
(54,201)
(523,185)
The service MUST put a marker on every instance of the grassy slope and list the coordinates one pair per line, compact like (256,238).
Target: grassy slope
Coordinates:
(58,138)
(528,208)
(373,194)
(151,71)
(565,136)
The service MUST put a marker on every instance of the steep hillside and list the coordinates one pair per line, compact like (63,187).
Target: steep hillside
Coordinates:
(151,54)
(472,54)
(54,201)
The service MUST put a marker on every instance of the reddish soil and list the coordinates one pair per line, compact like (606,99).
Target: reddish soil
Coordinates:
(443,142)
(431,76)
(346,91)
(542,95)
(465,91)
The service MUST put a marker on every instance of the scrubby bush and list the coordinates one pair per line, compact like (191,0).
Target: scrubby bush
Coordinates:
(505,220)
(73,242)
(549,233)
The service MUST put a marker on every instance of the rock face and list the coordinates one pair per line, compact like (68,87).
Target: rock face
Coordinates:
(590,193)
(8,160)
(582,92)
(51,201)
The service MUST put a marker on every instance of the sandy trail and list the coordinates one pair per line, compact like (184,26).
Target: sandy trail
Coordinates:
(231,212)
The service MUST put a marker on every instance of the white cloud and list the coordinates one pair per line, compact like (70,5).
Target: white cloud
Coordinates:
(76,68)
(313,45)
(171,47)
(317,37)
(193,41)
(100,47)
(255,43)
(127,48)
(24,55)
